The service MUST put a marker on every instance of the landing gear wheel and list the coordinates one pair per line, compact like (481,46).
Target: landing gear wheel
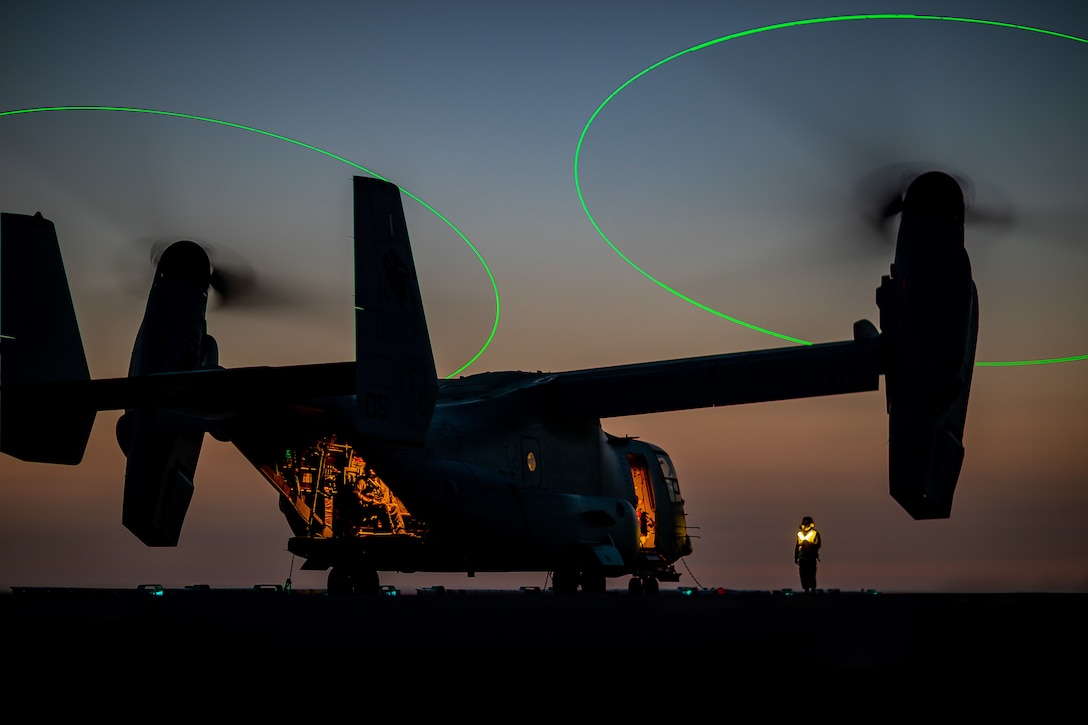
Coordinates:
(564,581)
(593,581)
(634,586)
(351,580)
(650,585)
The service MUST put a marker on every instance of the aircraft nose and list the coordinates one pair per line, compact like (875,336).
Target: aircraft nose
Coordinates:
(186,263)
(935,195)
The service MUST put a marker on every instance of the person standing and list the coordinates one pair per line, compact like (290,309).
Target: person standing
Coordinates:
(806,553)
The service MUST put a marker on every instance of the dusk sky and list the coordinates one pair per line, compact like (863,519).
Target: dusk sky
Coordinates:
(728,174)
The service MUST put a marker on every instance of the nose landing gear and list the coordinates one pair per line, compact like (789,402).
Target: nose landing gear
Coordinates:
(352,580)
(642,585)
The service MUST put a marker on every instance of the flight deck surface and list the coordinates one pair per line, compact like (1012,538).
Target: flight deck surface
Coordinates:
(839,629)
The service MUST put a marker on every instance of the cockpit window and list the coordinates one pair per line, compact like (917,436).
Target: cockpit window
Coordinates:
(671,483)
(666,465)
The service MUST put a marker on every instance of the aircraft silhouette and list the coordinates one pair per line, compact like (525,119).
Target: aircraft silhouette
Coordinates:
(381,466)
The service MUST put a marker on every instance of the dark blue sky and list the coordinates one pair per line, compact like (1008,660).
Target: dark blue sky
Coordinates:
(727,173)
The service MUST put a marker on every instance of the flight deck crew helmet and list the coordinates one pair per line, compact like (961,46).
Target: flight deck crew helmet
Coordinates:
(808,539)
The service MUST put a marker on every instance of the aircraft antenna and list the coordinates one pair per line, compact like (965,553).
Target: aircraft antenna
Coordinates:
(291,571)
(684,559)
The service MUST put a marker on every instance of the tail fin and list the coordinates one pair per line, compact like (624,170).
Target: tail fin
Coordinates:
(39,344)
(396,384)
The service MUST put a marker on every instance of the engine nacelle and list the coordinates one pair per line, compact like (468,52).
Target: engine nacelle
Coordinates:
(158,476)
(927,408)
(163,446)
(929,324)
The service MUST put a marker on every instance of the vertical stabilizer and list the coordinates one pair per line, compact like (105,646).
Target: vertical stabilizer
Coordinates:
(39,344)
(396,384)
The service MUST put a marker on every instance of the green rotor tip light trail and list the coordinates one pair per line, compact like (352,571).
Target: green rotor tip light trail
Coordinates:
(757,31)
(205,119)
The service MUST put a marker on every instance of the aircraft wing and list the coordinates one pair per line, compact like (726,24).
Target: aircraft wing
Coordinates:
(715,380)
(203,393)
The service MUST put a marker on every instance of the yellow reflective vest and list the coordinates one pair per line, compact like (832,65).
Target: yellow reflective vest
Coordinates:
(808,543)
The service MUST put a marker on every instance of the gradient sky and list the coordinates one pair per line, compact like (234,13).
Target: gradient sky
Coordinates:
(727,173)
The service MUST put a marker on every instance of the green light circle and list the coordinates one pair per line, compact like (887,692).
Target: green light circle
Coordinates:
(756,31)
(425,205)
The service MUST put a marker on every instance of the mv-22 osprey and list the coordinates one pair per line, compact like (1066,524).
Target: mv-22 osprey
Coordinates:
(381,466)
